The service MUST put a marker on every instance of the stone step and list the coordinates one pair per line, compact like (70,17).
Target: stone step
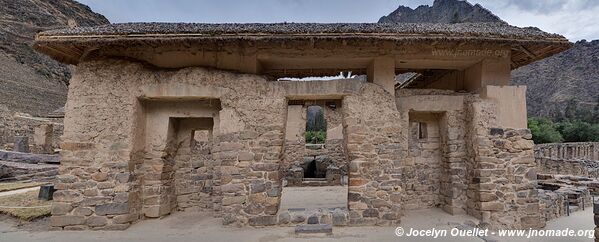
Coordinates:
(314,183)
(314,229)
(296,216)
(314,179)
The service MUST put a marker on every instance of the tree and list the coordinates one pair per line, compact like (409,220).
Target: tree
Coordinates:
(579,131)
(544,131)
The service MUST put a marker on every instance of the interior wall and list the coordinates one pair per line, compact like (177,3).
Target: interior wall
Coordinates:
(424,171)
(448,109)
(167,147)
(296,154)
(194,166)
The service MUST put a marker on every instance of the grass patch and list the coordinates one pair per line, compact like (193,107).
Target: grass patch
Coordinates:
(27,199)
(19,185)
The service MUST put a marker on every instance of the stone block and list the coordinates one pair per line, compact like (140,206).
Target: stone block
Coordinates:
(232,188)
(263,220)
(81,211)
(100,176)
(245,156)
(298,218)
(96,221)
(496,131)
(339,218)
(492,206)
(370,213)
(257,187)
(357,181)
(122,219)
(284,218)
(313,219)
(59,208)
(233,200)
(66,220)
(112,208)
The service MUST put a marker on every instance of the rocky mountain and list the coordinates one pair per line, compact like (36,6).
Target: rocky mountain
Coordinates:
(31,82)
(552,82)
(442,11)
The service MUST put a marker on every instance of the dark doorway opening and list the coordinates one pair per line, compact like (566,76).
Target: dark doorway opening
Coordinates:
(310,170)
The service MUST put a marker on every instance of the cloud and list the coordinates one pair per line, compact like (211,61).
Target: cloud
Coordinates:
(576,19)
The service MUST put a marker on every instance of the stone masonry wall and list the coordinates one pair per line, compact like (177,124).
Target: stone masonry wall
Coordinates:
(578,159)
(374,138)
(99,186)
(570,151)
(444,111)
(121,163)
(423,181)
(576,167)
(295,150)
(16,124)
(503,173)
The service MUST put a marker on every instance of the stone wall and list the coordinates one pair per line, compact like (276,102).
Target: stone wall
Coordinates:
(375,149)
(17,171)
(560,195)
(568,151)
(422,189)
(511,199)
(502,192)
(575,167)
(128,152)
(104,175)
(297,154)
(18,124)
(443,113)
(578,159)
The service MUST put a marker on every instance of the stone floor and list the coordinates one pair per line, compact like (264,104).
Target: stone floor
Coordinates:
(202,227)
(314,197)
(314,205)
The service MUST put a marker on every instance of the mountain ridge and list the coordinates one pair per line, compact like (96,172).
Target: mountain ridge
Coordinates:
(33,83)
(552,82)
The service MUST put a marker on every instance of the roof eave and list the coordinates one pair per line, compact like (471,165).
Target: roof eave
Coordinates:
(70,48)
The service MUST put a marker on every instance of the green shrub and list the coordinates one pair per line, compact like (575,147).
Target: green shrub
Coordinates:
(315,137)
(579,131)
(544,131)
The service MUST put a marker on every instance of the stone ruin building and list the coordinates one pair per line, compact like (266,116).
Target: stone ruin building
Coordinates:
(165,117)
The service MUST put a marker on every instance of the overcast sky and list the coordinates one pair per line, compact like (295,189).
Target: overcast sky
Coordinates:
(576,19)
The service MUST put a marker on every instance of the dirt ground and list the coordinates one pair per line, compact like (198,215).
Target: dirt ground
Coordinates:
(203,227)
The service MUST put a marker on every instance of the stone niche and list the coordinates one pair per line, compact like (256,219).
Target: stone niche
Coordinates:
(308,163)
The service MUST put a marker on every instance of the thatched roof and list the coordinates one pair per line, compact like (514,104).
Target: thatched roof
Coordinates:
(67,45)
